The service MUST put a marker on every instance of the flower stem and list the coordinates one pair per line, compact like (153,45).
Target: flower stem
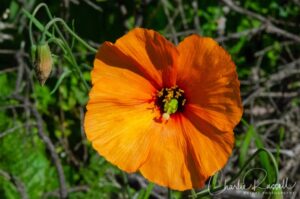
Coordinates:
(194,194)
(71,59)
(169,193)
(62,43)
(38,7)
(56,20)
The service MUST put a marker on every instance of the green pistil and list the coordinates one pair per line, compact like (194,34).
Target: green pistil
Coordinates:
(171,106)
(170,100)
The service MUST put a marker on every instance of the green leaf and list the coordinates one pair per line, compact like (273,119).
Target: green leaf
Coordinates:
(14,9)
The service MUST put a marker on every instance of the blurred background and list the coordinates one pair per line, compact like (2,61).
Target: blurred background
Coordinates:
(43,149)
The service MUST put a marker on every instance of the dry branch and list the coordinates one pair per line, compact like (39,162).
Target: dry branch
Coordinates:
(62,182)
(269,26)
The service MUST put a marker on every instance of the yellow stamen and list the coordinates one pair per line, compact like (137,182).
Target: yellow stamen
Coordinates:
(183,102)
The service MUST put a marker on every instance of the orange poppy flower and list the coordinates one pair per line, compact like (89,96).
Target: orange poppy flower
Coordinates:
(166,111)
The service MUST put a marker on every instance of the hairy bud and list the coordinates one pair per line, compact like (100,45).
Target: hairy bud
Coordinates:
(43,65)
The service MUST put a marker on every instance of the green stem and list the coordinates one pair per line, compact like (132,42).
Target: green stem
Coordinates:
(38,7)
(62,43)
(218,188)
(56,20)
(169,193)
(36,23)
(73,62)
(57,42)
(31,20)
(71,59)
(194,194)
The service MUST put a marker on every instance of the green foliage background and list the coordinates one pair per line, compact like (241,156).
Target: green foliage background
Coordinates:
(259,56)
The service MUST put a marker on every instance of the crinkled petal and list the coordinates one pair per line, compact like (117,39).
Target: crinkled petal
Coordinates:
(155,57)
(209,77)
(119,86)
(120,133)
(210,147)
(170,162)
(119,113)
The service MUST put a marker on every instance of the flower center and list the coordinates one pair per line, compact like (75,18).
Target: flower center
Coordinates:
(170,100)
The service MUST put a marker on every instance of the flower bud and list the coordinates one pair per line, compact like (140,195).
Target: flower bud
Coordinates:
(43,62)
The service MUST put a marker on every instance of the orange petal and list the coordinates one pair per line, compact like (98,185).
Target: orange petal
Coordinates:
(120,133)
(118,86)
(170,162)
(209,147)
(118,115)
(209,78)
(155,57)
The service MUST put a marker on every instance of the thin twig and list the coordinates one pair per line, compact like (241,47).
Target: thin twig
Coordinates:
(170,20)
(50,146)
(196,17)
(238,35)
(288,70)
(270,27)
(182,14)
(93,5)
(80,188)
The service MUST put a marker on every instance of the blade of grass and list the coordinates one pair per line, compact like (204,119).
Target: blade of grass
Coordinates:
(148,190)
(61,78)
(245,145)
(214,181)
(264,159)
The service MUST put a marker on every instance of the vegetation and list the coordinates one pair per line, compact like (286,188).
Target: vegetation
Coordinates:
(43,149)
